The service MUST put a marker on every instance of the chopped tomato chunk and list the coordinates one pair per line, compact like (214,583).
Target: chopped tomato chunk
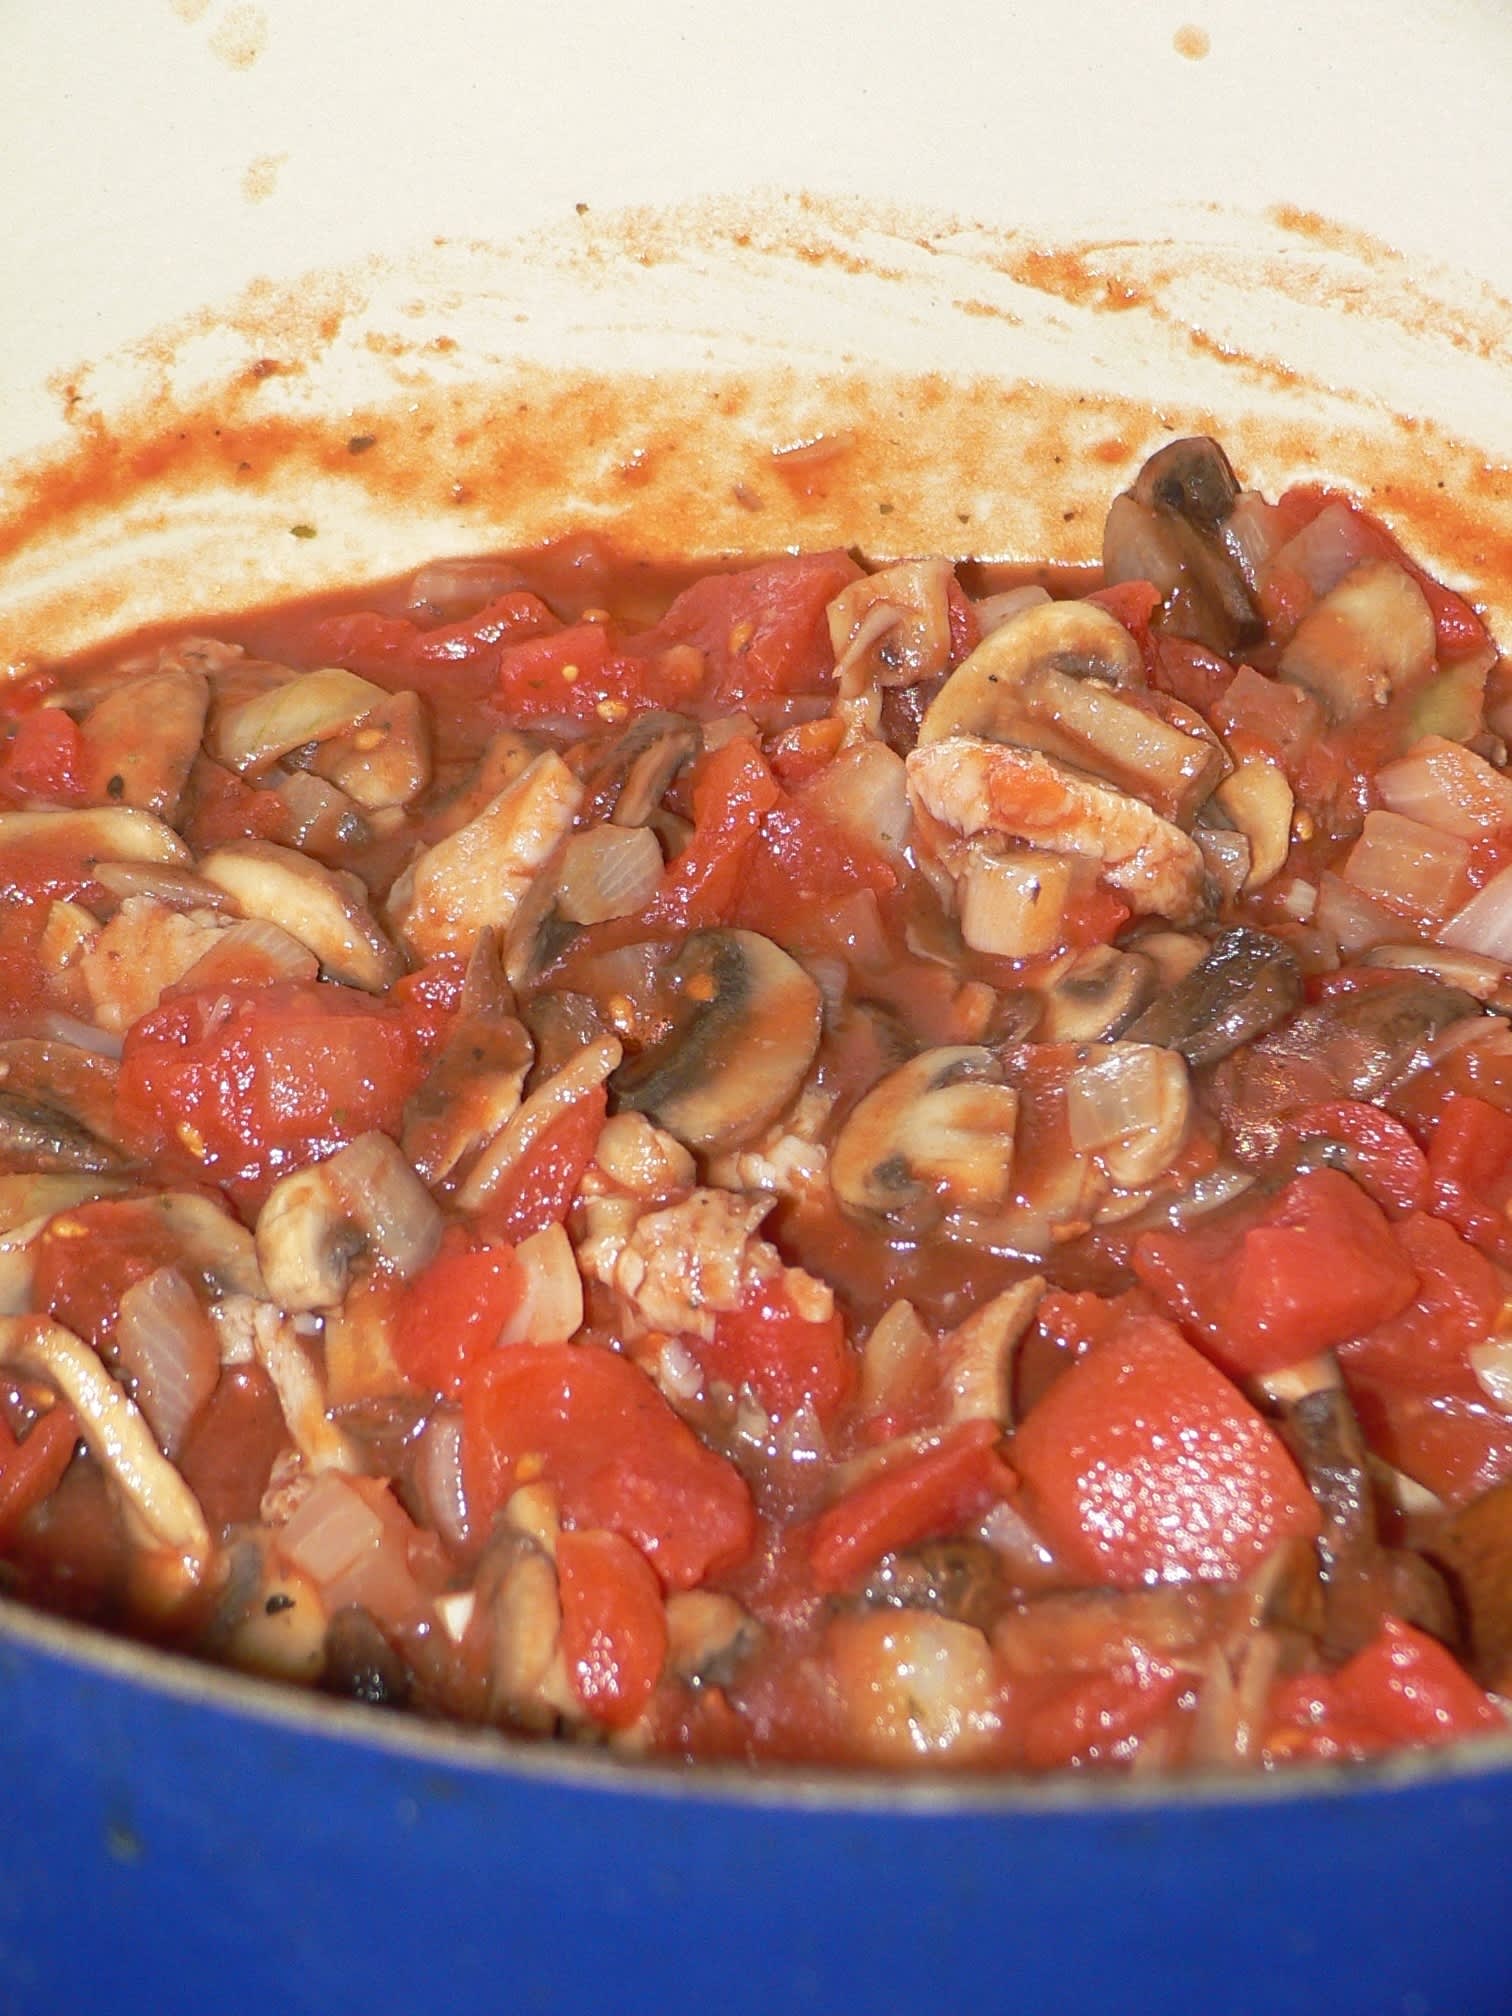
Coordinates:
(614,1626)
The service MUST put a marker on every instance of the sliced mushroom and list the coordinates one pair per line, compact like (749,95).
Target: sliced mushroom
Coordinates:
(108,833)
(301,1393)
(320,818)
(117,1435)
(1258,799)
(472,1090)
(1095,996)
(934,1136)
(971,787)
(57,1109)
(628,779)
(983,696)
(1169,530)
(1248,983)
(30,1200)
(979,1354)
(1013,900)
(171,887)
(892,628)
(144,949)
(249,734)
(325,909)
(385,758)
(1474,1547)
(746,1021)
(478,876)
(709,1636)
(946,1578)
(214,1246)
(149,771)
(1487,980)
(315,1222)
(1364,641)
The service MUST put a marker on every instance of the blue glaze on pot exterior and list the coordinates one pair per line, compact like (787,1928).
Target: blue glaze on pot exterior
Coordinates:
(184,1841)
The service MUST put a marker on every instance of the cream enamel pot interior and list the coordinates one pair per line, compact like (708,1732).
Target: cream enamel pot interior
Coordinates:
(615,266)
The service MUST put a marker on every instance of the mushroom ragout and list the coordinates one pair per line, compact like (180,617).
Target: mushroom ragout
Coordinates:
(825,1166)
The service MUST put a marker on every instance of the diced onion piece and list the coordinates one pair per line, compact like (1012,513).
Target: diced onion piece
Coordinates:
(250,734)
(252,952)
(1485,923)
(1491,1362)
(1130,1107)
(447,589)
(609,871)
(865,792)
(1227,857)
(1251,533)
(1414,867)
(1367,638)
(1444,785)
(83,1035)
(320,814)
(438,1478)
(330,1531)
(164,1342)
(1326,548)
(172,887)
(1013,905)
(897,1356)
(993,611)
(550,1309)
(1137,547)
(1354,921)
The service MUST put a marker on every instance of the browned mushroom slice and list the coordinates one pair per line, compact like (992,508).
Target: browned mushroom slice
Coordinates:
(324,908)
(149,770)
(1474,1547)
(248,734)
(746,1021)
(1095,996)
(948,1578)
(315,1222)
(934,1136)
(1248,983)
(470,1093)
(1169,530)
(385,758)
(57,1108)
(582,1074)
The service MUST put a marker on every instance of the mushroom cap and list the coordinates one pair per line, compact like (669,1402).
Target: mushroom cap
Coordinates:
(934,1135)
(746,1027)
(1077,638)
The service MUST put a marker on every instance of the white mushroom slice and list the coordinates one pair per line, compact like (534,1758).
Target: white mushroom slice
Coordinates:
(478,875)
(301,1392)
(364,1199)
(1487,979)
(471,1091)
(24,1199)
(212,1243)
(145,948)
(973,787)
(935,1135)
(1259,800)
(153,766)
(117,1435)
(1130,1105)
(746,1027)
(1096,993)
(582,1074)
(898,1357)
(171,887)
(979,1353)
(108,833)
(981,696)
(249,734)
(892,628)
(1367,638)
(324,908)
(385,759)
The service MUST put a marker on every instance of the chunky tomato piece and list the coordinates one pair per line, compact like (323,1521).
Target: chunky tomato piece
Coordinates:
(32,1466)
(455,661)
(763,630)
(733,790)
(1470,1169)
(1320,1265)
(1402,1689)
(1098,1713)
(598,1431)
(786,1359)
(614,1624)
(914,1499)
(251,1084)
(42,759)
(453,1311)
(801,862)
(1423,1348)
(1455,1447)
(1143,1461)
(540,1189)
(219,806)
(86,1259)
(1383,1157)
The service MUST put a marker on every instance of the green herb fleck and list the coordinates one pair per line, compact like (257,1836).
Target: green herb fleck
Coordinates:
(302,531)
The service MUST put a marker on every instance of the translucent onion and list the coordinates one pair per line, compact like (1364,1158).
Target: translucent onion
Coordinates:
(164,1342)
(1485,923)
(447,589)
(1491,1362)
(865,792)
(993,611)
(609,871)
(1137,547)
(1354,921)
(1014,905)
(1402,862)
(331,1531)
(438,1479)
(1444,785)
(83,1035)
(1326,549)
(1252,533)
(321,815)
(1130,1108)
(253,952)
